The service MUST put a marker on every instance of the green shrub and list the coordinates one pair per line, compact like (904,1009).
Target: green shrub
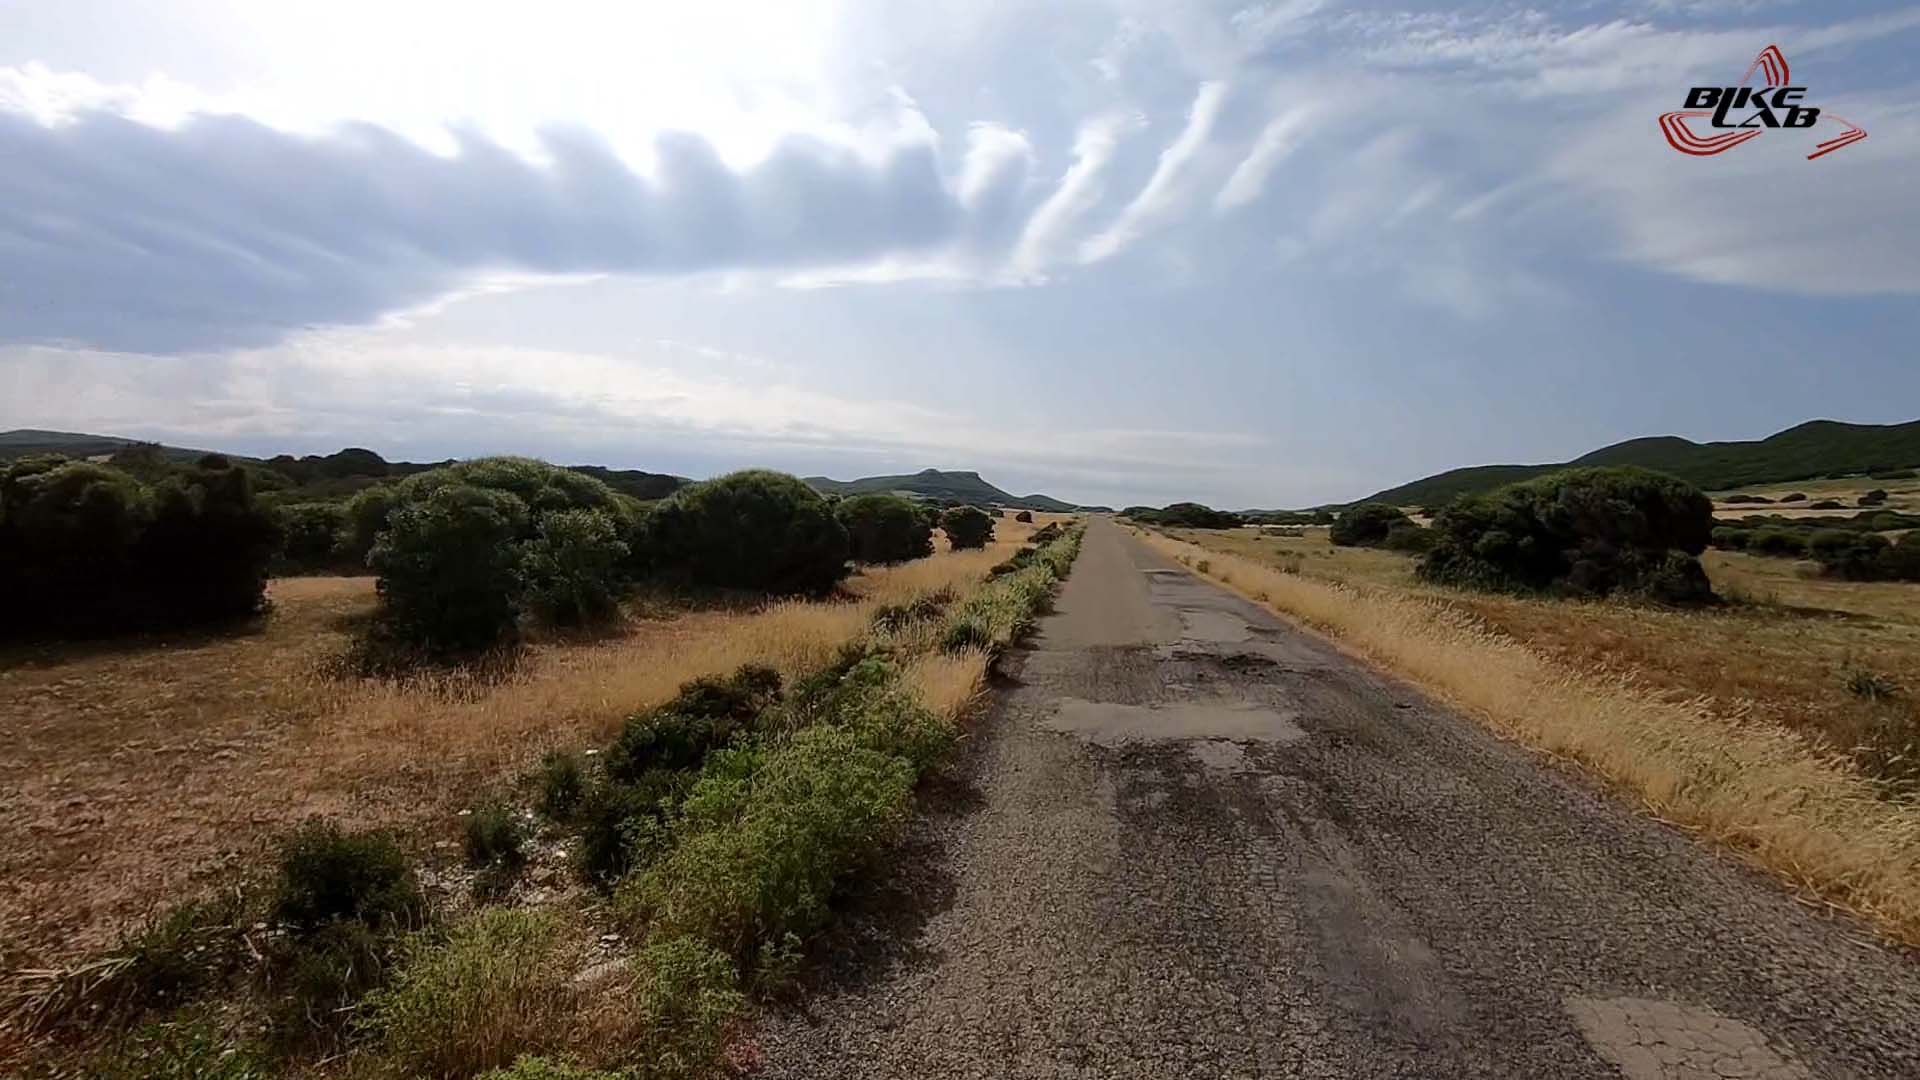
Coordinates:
(366,519)
(1024,515)
(1183,515)
(495,836)
(1894,474)
(884,529)
(756,529)
(1798,496)
(449,569)
(1367,525)
(1581,532)
(328,875)
(932,514)
(1852,556)
(492,991)
(624,824)
(570,571)
(967,527)
(1409,537)
(688,997)
(563,783)
(1777,542)
(705,714)
(766,868)
(1731,538)
(312,537)
(1827,504)
(1873,498)
(88,549)
(322,973)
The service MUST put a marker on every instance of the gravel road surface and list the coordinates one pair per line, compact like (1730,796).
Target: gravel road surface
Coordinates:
(1192,841)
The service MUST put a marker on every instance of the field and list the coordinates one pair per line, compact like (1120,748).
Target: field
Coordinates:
(1783,723)
(1903,496)
(136,773)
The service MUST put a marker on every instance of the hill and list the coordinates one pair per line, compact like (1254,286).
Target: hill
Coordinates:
(24,442)
(939,486)
(1814,449)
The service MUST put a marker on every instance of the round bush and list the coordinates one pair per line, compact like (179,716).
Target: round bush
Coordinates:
(1024,515)
(571,569)
(1367,525)
(884,529)
(967,527)
(449,569)
(1585,532)
(756,529)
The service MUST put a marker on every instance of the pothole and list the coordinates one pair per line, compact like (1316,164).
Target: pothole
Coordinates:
(1659,1040)
(1112,725)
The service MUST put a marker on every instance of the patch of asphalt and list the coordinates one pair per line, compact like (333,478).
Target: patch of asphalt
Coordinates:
(1392,893)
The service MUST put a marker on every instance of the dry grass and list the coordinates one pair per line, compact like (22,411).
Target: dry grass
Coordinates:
(133,773)
(1700,761)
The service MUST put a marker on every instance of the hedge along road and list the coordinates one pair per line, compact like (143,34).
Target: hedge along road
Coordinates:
(1192,841)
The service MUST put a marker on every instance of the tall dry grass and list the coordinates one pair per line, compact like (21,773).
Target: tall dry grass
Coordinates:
(1757,788)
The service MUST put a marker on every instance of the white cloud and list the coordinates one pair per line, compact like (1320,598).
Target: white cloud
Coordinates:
(1165,194)
(1079,191)
(1282,135)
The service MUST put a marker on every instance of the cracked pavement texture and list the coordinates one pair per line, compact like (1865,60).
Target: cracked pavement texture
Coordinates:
(1193,841)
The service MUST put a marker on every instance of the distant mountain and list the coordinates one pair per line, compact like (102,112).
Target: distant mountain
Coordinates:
(1813,449)
(962,487)
(24,442)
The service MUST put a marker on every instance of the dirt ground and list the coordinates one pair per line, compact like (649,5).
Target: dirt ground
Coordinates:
(135,773)
(1195,841)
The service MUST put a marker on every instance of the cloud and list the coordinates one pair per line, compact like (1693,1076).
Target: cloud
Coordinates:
(1282,135)
(1165,192)
(224,232)
(1080,190)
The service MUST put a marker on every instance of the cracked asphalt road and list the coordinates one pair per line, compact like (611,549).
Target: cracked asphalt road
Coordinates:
(1192,841)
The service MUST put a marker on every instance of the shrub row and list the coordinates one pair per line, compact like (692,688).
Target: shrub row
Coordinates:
(92,549)
(1183,515)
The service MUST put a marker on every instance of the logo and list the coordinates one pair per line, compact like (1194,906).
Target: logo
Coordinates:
(1744,112)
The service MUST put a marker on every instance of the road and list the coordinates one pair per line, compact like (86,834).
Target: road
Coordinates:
(1192,841)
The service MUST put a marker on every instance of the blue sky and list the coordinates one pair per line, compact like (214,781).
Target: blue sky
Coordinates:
(1114,250)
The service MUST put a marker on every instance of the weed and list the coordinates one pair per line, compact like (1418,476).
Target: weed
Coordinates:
(184,1048)
(540,1068)
(496,837)
(493,990)
(563,783)
(1872,685)
(327,874)
(688,996)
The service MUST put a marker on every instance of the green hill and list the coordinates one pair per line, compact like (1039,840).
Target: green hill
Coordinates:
(939,486)
(26,442)
(1814,449)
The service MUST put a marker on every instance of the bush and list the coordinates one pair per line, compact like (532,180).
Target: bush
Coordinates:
(570,570)
(540,1068)
(188,1048)
(1409,537)
(1184,515)
(563,783)
(494,990)
(884,529)
(1731,538)
(756,529)
(1826,504)
(366,519)
(88,549)
(705,715)
(1582,532)
(1024,515)
(1367,525)
(323,973)
(1894,474)
(328,875)
(688,996)
(449,569)
(313,537)
(967,527)
(932,514)
(1874,498)
(1798,496)
(1777,542)
(495,836)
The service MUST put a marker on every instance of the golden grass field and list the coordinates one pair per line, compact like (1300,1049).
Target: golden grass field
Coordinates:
(137,772)
(1736,722)
(1903,496)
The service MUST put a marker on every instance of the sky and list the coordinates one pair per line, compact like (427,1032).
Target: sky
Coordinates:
(1117,251)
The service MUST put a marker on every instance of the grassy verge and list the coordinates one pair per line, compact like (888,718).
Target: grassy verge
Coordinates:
(1794,806)
(724,821)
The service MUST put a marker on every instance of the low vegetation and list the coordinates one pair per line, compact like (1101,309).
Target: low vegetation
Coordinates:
(967,527)
(885,528)
(723,819)
(1184,515)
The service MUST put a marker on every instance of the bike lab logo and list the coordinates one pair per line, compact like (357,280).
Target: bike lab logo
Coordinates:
(1744,112)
